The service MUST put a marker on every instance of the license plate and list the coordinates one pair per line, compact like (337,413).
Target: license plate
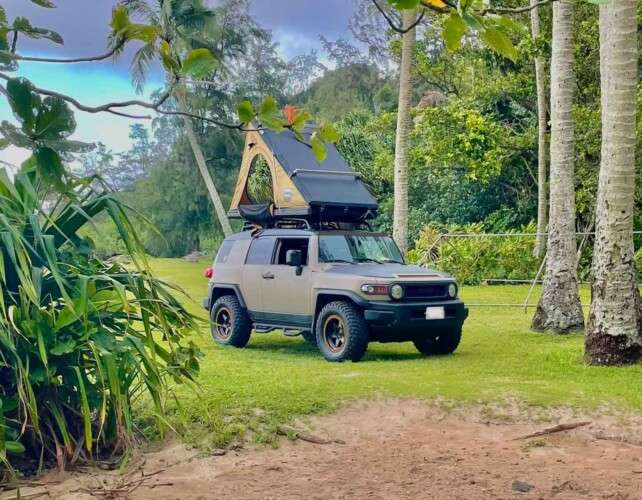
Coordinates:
(435,313)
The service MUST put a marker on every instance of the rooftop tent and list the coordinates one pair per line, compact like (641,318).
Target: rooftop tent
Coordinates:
(301,186)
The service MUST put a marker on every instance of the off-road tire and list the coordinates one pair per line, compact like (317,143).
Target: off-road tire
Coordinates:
(309,336)
(445,343)
(240,325)
(355,332)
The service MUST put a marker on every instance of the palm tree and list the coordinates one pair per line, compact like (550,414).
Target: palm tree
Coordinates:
(559,308)
(400,218)
(540,84)
(187,24)
(615,319)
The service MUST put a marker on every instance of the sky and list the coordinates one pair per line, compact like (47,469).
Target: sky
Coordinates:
(83,24)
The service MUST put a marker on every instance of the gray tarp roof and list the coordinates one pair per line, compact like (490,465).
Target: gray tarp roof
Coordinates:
(331,182)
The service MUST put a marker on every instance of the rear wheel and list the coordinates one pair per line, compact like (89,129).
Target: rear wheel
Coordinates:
(230,324)
(445,343)
(341,332)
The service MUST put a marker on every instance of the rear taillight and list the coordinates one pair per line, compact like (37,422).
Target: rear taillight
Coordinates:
(209,273)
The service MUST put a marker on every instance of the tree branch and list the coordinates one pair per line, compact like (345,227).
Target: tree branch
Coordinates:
(101,57)
(391,21)
(113,107)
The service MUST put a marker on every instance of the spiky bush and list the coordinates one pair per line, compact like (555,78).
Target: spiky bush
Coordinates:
(81,340)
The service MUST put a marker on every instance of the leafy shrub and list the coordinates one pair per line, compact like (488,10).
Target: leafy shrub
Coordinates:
(473,259)
(81,340)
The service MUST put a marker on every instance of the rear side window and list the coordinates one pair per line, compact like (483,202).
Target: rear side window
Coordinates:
(261,251)
(224,252)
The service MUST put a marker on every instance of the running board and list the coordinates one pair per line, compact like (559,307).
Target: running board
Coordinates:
(287,331)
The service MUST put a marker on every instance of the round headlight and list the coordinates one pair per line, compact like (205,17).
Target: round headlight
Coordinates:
(396,292)
(452,290)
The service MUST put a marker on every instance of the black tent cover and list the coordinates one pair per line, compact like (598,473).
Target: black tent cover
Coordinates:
(331,188)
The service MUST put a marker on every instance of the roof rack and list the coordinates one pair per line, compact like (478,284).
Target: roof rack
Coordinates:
(289,223)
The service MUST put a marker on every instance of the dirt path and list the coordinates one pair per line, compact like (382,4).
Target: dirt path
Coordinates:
(397,449)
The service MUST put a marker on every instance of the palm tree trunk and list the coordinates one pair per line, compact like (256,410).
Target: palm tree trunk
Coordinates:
(205,173)
(400,218)
(615,318)
(559,308)
(540,83)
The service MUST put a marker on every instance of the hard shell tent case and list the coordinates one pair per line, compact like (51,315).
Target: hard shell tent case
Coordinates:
(302,186)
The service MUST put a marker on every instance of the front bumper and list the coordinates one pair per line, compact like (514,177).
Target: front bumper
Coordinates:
(402,321)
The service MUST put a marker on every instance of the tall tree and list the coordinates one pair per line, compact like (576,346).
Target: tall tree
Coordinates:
(404,122)
(215,197)
(540,85)
(615,319)
(559,308)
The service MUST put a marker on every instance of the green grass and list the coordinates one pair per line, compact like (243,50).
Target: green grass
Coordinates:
(276,378)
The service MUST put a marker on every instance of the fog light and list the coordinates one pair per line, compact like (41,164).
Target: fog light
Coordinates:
(452,290)
(396,292)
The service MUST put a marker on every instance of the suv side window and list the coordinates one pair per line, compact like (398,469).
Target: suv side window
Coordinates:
(261,251)
(224,252)
(286,244)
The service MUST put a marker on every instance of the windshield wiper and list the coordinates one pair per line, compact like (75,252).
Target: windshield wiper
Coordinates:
(392,261)
(343,261)
(368,259)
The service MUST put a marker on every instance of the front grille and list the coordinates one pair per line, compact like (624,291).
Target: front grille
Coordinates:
(426,291)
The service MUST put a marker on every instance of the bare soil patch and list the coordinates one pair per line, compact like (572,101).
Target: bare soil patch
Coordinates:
(393,449)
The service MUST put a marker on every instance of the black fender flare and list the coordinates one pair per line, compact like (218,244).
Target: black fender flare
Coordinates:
(226,287)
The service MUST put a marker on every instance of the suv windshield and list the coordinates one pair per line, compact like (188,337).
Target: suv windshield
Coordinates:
(358,248)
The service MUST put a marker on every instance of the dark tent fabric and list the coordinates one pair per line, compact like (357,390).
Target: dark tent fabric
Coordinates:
(328,183)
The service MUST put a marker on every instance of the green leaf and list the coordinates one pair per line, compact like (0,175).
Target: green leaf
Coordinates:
(328,133)
(318,148)
(454,30)
(50,167)
(299,122)
(245,111)
(404,4)
(170,63)
(268,106)
(55,120)
(24,102)
(48,4)
(499,42)
(119,19)
(22,25)
(269,114)
(14,447)
(199,63)
(143,32)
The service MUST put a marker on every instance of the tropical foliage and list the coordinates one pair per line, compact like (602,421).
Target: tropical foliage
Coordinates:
(81,339)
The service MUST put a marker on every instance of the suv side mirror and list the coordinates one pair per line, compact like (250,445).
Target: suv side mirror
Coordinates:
(294,258)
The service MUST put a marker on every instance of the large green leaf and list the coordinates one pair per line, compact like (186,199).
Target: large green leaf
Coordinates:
(23,25)
(50,167)
(24,102)
(499,42)
(44,3)
(454,30)
(199,63)
(245,111)
(318,148)
(55,120)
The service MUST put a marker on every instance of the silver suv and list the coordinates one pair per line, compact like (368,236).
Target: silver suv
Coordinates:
(338,289)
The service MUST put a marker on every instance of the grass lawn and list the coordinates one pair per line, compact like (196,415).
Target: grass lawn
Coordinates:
(276,378)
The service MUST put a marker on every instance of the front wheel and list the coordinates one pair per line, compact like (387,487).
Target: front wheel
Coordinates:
(230,323)
(445,343)
(341,332)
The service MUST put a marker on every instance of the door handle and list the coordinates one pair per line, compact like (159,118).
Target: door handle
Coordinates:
(268,276)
